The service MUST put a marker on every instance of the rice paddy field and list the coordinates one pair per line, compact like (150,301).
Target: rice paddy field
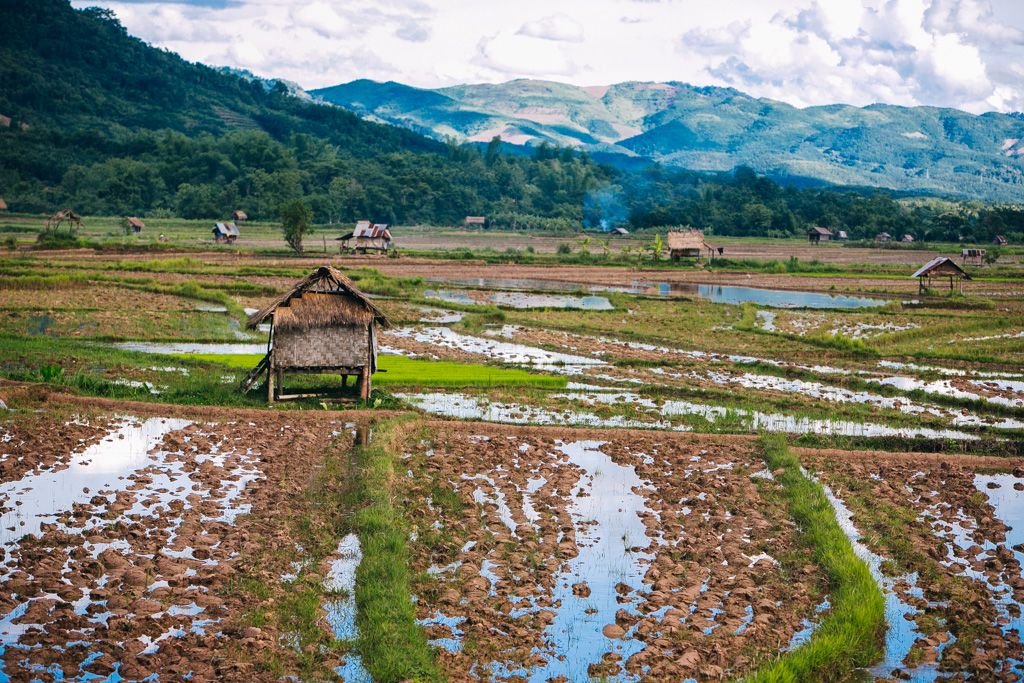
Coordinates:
(761,470)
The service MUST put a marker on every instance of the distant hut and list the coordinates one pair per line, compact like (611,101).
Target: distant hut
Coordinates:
(818,234)
(366,237)
(619,232)
(135,224)
(972,255)
(3,204)
(883,237)
(841,235)
(688,244)
(470,221)
(225,232)
(324,324)
(238,216)
(940,267)
(907,238)
(998,240)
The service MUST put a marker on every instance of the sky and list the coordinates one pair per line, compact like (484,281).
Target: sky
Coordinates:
(967,54)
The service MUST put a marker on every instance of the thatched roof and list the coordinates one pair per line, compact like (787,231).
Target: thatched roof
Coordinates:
(687,239)
(325,297)
(239,215)
(818,230)
(941,266)
(136,222)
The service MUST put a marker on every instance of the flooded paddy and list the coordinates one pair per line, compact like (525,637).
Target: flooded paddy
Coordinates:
(626,553)
(524,300)
(942,540)
(724,294)
(118,560)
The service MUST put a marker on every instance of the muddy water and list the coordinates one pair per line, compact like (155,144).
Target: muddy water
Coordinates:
(1005,493)
(186,348)
(38,499)
(607,512)
(507,352)
(341,610)
(521,300)
(726,294)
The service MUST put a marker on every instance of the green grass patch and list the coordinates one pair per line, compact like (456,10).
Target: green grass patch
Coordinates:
(850,635)
(403,371)
(393,647)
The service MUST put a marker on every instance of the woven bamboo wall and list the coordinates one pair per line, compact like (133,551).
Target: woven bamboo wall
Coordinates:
(322,347)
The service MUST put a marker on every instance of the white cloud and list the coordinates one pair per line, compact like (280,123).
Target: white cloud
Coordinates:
(962,53)
(556,27)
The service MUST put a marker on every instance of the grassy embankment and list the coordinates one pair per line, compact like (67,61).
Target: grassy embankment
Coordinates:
(850,635)
(393,646)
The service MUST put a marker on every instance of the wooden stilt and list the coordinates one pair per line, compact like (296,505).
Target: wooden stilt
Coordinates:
(364,383)
(280,381)
(270,384)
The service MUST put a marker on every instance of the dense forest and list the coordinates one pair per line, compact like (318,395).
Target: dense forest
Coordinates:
(101,122)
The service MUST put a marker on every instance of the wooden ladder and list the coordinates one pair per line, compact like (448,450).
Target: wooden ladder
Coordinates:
(254,375)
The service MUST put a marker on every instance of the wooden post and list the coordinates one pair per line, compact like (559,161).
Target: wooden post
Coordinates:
(280,381)
(364,383)
(270,382)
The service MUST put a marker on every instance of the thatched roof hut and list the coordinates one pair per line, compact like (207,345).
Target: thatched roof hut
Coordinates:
(324,324)
(940,267)
(135,224)
(225,232)
(239,215)
(688,244)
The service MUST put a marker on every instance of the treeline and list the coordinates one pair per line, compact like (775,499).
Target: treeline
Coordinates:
(105,124)
(743,203)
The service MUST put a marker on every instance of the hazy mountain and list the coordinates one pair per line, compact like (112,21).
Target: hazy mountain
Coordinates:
(926,149)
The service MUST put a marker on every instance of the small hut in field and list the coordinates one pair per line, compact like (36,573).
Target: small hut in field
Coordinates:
(225,232)
(239,215)
(471,221)
(688,244)
(135,224)
(323,325)
(940,267)
(366,237)
(818,234)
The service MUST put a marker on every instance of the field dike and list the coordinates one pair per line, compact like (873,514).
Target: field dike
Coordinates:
(393,646)
(849,637)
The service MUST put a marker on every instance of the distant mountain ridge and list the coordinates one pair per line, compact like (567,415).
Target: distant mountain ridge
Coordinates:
(916,149)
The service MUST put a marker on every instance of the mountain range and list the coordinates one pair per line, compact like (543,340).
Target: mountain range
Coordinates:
(926,150)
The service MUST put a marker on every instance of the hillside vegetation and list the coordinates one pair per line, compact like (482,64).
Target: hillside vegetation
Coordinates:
(105,124)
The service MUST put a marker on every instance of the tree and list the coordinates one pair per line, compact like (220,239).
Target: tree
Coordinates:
(295,220)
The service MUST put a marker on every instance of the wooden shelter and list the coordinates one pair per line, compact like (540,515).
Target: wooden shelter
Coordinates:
(972,255)
(324,324)
(239,215)
(688,244)
(940,267)
(366,237)
(883,237)
(998,240)
(818,233)
(470,221)
(135,224)
(225,232)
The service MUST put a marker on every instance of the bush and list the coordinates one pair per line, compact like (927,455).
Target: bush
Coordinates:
(564,248)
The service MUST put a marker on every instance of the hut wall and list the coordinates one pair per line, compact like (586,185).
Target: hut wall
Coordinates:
(344,346)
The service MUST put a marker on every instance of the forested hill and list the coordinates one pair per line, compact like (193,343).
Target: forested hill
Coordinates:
(104,122)
(98,121)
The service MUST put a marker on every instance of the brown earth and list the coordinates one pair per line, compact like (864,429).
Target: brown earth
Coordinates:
(704,553)
(927,494)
